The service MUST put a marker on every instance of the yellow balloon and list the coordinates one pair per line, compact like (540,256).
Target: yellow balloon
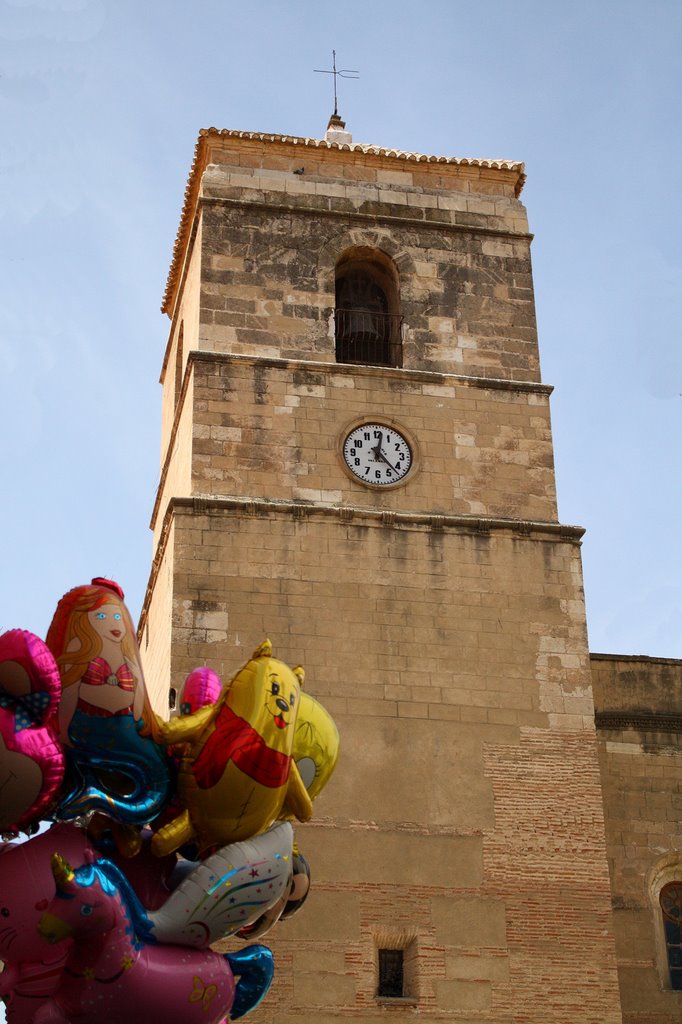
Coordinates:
(316,744)
(237,774)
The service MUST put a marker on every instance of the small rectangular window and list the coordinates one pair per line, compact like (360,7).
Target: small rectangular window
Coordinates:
(391,973)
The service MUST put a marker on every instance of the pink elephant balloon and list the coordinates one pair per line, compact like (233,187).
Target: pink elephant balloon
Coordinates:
(31,758)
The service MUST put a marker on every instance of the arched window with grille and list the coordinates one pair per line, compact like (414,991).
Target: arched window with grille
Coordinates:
(367,316)
(670,900)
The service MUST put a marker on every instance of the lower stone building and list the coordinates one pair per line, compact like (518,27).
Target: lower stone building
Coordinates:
(638,709)
(357,462)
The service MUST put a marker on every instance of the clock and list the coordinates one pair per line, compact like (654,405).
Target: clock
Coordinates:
(377,454)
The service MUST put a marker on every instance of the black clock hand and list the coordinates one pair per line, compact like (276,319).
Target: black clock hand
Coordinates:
(382,456)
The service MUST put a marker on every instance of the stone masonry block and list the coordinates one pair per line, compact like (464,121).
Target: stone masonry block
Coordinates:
(457,994)
(340,907)
(469,923)
(321,989)
(416,858)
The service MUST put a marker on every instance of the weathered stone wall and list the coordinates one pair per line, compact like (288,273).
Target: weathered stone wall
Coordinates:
(176,470)
(638,702)
(182,337)
(156,637)
(274,429)
(268,269)
(441,621)
(465,815)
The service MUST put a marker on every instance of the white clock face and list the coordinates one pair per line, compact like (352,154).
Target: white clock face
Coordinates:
(377,454)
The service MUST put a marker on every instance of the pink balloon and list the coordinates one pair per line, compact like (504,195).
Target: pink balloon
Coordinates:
(202,687)
(32,967)
(31,758)
(115,973)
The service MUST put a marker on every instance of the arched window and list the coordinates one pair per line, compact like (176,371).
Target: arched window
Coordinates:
(367,316)
(670,900)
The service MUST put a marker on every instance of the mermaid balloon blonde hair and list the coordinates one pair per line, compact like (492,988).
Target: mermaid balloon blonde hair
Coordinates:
(71,622)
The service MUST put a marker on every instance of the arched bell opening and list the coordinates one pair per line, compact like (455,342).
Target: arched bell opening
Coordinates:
(367,316)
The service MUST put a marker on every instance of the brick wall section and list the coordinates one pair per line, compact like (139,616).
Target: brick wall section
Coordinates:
(545,859)
(176,470)
(641,766)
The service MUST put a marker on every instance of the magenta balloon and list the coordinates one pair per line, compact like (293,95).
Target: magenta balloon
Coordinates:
(202,687)
(115,973)
(149,876)
(31,757)
(32,967)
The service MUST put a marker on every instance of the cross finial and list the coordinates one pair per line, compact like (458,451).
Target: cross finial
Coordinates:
(345,73)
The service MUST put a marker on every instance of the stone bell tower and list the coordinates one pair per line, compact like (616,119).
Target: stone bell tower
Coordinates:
(356,461)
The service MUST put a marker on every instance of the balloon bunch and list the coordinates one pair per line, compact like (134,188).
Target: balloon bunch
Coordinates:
(165,836)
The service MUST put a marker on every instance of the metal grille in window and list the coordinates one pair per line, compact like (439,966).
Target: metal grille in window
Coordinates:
(671,905)
(365,330)
(391,975)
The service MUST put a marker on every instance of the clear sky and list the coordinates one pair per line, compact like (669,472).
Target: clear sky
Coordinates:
(100,105)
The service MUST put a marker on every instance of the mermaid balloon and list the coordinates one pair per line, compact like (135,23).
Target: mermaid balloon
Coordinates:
(105,719)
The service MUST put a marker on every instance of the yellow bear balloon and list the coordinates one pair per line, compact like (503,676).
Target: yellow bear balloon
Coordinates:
(237,774)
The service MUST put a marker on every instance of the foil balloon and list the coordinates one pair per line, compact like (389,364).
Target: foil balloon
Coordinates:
(290,902)
(152,878)
(316,744)
(115,972)
(31,759)
(299,888)
(201,688)
(237,774)
(227,891)
(32,968)
(106,723)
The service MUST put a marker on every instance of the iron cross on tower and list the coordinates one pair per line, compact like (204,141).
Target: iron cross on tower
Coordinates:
(345,73)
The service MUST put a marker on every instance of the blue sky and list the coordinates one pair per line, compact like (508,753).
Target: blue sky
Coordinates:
(100,105)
